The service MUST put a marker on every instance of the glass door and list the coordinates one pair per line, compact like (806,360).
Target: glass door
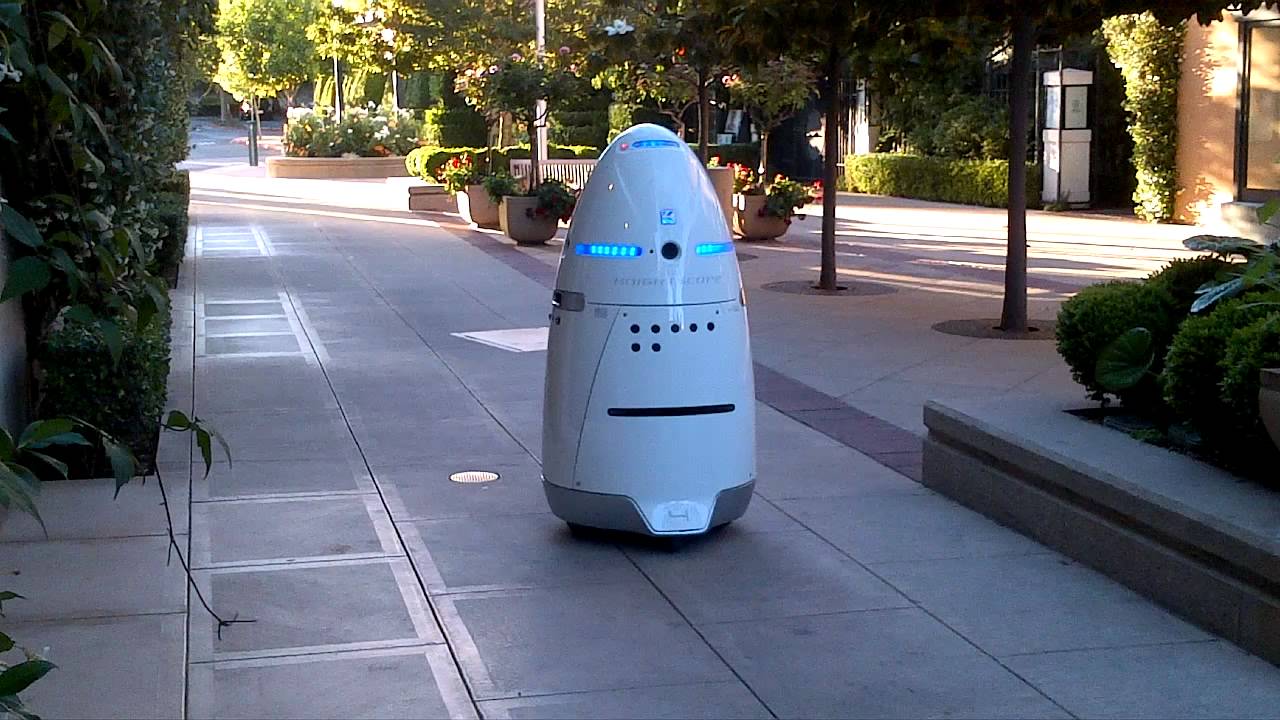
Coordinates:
(1258,168)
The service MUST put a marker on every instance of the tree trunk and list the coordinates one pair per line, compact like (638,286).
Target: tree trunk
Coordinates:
(1013,316)
(831,148)
(535,171)
(704,116)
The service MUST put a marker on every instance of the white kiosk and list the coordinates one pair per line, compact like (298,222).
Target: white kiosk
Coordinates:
(1066,137)
(649,413)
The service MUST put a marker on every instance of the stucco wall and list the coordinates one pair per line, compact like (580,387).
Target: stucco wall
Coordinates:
(12,356)
(1207,96)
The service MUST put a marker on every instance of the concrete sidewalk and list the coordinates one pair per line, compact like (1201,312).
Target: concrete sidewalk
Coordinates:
(321,341)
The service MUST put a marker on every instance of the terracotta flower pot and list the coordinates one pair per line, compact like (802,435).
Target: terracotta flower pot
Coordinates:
(476,207)
(1269,402)
(519,226)
(751,224)
(722,181)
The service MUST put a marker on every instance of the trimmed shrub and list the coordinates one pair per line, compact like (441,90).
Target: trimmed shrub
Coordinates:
(425,162)
(454,127)
(1097,315)
(971,182)
(171,214)
(80,380)
(421,90)
(746,154)
(1193,367)
(623,116)
(1182,277)
(1249,350)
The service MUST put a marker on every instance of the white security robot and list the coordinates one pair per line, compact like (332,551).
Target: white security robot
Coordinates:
(649,415)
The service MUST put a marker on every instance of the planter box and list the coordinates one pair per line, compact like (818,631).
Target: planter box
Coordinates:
(751,225)
(722,182)
(526,230)
(1185,534)
(476,207)
(1269,403)
(430,198)
(328,168)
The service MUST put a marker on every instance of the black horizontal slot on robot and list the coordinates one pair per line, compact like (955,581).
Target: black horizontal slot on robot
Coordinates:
(680,411)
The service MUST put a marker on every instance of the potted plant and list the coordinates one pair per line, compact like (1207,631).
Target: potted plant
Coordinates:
(460,176)
(764,213)
(534,218)
(722,179)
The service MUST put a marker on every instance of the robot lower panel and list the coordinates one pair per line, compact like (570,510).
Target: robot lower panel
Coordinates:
(619,512)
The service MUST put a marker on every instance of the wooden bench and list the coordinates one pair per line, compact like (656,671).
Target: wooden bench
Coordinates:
(571,172)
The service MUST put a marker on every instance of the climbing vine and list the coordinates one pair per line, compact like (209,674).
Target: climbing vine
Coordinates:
(1148,54)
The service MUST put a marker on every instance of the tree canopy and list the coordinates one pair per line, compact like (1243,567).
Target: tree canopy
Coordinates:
(264,46)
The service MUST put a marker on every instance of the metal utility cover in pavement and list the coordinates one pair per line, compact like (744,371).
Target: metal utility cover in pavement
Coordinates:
(514,340)
(471,477)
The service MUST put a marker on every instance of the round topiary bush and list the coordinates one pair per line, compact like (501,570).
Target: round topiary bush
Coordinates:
(1194,368)
(1181,278)
(1249,349)
(1099,314)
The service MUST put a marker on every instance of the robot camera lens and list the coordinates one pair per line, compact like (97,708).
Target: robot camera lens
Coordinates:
(670,251)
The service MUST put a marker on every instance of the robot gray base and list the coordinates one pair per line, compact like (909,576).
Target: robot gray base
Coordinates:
(619,512)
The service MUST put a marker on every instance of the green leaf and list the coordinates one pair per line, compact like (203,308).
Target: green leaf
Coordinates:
(6,643)
(1125,361)
(28,274)
(14,224)
(15,493)
(63,19)
(7,447)
(57,465)
(14,706)
(20,676)
(69,438)
(1268,210)
(116,73)
(54,81)
(9,595)
(1209,296)
(80,313)
(123,464)
(1222,245)
(111,336)
(177,420)
(6,135)
(43,430)
(57,33)
(203,440)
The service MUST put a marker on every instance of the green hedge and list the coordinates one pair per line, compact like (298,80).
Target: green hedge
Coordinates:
(425,162)
(742,153)
(170,213)
(80,380)
(970,182)
(454,127)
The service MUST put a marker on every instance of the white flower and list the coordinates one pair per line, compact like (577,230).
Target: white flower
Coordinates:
(350,155)
(9,72)
(618,27)
(298,113)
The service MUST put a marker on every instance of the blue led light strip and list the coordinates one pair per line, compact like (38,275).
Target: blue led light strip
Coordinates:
(713,248)
(606,250)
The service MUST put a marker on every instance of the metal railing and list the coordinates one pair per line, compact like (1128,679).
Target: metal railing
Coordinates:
(573,173)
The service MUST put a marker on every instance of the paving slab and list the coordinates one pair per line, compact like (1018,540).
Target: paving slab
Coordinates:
(123,667)
(86,509)
(261,384)
(753,576)
(875,664)
(313,607)
(280,530)
(245,478)
(424,492)
(583,638)
(414,682)
(896,527)
(129,576)
(284,435)
(521,551)
(389,441)
(709,701)
(1017,604)
(1186,680)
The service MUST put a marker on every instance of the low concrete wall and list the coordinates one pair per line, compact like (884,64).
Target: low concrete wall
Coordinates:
(326,168)
(13,355)
(1183,533)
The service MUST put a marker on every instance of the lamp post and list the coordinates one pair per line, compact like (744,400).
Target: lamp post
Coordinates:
(337,75)
(539,134)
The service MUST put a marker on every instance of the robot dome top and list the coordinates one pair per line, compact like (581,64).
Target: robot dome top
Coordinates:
(648,229)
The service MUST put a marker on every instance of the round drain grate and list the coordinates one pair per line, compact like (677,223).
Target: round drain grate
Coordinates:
(471,477)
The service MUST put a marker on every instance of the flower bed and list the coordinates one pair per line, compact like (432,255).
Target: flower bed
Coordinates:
(316,133)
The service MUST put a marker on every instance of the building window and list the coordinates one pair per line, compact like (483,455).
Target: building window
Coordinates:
(1258,169)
